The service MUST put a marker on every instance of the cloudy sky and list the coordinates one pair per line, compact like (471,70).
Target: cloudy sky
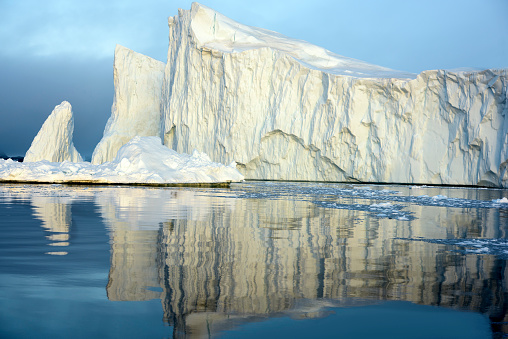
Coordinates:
(57,50)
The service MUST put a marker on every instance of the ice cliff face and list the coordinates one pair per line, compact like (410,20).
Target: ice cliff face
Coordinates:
(284,109)
(136,105)
(54,140)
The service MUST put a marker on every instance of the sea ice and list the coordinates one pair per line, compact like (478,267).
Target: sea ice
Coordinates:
(495,246)
(393,206)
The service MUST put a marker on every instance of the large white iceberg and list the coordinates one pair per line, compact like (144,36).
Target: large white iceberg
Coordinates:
(284,109)
(54,140)
(143,160)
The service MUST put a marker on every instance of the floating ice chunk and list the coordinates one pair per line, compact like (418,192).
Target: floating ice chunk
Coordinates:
(467,243)
(439,197)
(382,205)
(479,251)
(495,246)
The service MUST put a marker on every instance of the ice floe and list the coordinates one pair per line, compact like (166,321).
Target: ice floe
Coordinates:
(390,204)
(497,247)
(504,200)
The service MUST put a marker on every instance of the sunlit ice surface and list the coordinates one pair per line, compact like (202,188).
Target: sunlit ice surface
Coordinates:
(264,259)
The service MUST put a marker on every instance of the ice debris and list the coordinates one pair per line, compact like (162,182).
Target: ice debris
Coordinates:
(388,204)
(497,246)
(143,160)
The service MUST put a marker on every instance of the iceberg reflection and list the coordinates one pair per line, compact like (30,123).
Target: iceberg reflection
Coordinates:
(221,260)
(216,259)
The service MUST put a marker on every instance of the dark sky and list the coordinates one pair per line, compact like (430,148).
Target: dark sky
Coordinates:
(31,87)
(57,50)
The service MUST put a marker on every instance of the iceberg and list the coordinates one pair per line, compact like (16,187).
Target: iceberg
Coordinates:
(130,152)
(143,160)
(54,140)
(136,104)
(284,109)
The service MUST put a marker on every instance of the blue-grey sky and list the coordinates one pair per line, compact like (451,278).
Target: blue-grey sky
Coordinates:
(57,50)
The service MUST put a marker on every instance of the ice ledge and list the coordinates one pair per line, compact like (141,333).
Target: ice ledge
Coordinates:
(215,31)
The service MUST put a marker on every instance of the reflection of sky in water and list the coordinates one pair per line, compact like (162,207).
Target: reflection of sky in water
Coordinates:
(386,320)
(208,260)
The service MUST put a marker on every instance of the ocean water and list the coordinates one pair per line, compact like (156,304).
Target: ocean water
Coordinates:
(260,259)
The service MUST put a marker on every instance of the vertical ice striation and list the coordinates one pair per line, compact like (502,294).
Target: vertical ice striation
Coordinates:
(284,109)
(136,105)
(54,140)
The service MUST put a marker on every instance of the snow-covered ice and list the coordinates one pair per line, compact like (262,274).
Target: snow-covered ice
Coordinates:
(143,160)
(217,32)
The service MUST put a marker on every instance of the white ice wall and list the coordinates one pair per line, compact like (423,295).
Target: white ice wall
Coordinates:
(281,118)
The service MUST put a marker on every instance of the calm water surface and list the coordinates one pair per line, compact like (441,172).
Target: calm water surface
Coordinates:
(260,259)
